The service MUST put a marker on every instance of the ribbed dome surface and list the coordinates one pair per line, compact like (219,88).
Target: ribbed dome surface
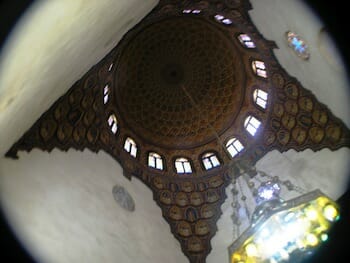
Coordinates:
(180,81)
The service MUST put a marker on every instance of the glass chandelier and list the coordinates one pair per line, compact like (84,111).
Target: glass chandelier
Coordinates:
(279,230)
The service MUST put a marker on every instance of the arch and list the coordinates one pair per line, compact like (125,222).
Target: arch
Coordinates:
(252,124)
(259,68)
(183,165)
(260,98)
(234,146)
(155,161)
(210,160)
(130,146)
(113,123)
(246,41)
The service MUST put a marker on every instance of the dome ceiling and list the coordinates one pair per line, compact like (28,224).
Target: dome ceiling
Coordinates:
(190,92)
(180,82)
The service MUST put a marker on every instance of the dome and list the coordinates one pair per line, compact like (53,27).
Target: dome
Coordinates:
(191,91)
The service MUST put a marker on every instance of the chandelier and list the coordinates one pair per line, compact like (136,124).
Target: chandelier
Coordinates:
(278,230)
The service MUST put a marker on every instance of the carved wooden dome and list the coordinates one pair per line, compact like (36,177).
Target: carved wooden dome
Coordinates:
(176,72)
(194,81)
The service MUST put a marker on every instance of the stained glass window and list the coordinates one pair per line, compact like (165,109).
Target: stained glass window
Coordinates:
(298,45)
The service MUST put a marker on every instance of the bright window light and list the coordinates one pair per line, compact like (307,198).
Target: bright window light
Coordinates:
(105,94)
(260,98)
(182,165)
(251,124)
(113,123)
(246,41)
(155,161)
(219,17)
(227,21)
(259,68)
(210,161)
(234,146)
(130,146)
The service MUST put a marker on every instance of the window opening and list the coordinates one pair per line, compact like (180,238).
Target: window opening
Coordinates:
(222,19)
(260,98)
(246,41)
(183,165)
(210,160)
(155,161)
(130,146)
(234,146)
(113,123)
(189,11)
(251,124)
(105,94)
(110,67)
(259,68)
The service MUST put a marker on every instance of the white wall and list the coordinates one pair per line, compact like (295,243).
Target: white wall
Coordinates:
(62,208)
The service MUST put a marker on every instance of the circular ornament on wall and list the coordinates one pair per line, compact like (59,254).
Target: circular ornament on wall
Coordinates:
(123,198)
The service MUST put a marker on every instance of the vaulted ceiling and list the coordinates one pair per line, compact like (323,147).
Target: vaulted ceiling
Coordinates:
(180,88)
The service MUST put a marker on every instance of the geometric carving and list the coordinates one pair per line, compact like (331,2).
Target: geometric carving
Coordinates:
(186,94)
(191,210)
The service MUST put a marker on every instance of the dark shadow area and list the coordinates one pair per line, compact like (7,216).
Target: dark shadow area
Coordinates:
(11,249)
(335,18)
(335,249)
(10,12)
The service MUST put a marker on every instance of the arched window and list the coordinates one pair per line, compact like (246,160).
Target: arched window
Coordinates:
(260,98)
(259,68)
(155,161)
(234,146)
(113,123)
(130,146)
(222,19)
(246,41)
(251,124)
(110,67)
(183,165)
(105,94)
(189,11)
(210,160)
(219,18)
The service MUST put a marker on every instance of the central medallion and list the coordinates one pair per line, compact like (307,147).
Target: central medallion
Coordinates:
(172,74)
(180,82)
